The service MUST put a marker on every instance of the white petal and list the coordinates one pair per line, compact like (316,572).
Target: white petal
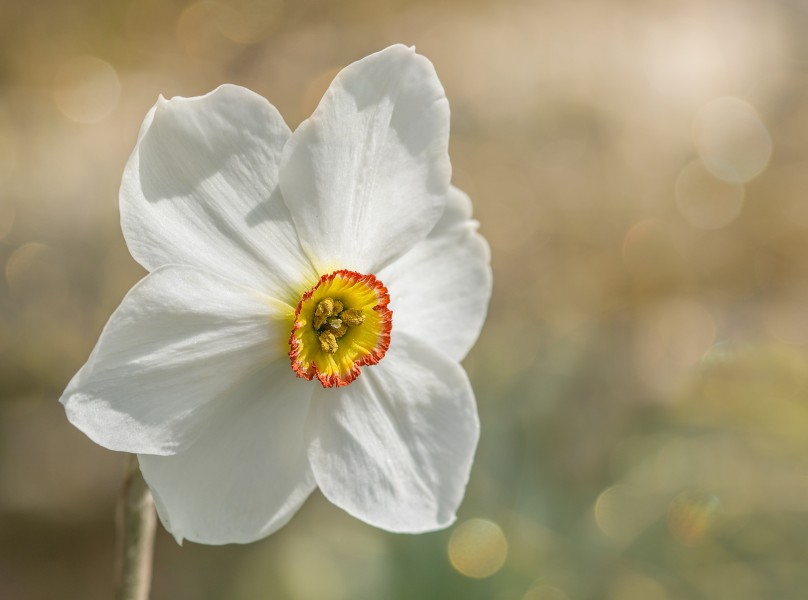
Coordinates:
(366,177)
(179,340)
(439,290)
(395,447)
(201,189)
(457,212)
(248,473)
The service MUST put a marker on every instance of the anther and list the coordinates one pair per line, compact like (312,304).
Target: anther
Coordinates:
(328,342)
(353,317)
(325,309)
(331,322)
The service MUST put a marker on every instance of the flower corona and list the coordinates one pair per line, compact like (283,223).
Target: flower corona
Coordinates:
(341,324)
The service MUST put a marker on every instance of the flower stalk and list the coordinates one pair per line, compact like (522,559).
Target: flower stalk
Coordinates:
(136,525)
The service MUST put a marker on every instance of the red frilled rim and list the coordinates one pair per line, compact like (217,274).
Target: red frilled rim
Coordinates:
(311,371)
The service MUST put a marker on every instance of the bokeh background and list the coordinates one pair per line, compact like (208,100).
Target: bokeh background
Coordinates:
(641,172)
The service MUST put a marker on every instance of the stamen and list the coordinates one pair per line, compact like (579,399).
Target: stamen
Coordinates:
(331,322)
(353,316)
(325,309)
(328,342)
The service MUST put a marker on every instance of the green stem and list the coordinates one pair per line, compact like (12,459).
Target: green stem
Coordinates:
(136,524)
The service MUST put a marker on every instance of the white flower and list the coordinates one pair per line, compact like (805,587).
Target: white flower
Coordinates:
(251,364)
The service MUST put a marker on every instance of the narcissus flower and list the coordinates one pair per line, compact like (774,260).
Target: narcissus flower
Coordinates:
(309,298)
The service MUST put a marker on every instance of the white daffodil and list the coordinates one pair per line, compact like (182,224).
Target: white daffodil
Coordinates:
(309,298)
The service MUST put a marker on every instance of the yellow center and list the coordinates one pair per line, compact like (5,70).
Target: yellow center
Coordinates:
(341,324)
(331,321)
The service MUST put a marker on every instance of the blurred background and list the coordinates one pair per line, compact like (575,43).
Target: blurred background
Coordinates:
(641,172)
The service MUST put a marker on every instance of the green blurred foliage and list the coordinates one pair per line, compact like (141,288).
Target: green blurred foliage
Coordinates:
(641,172)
